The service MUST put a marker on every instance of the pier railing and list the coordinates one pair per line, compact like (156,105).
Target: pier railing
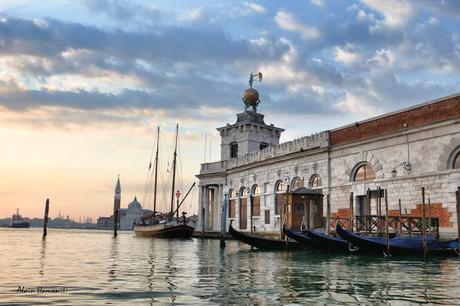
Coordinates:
(397,225)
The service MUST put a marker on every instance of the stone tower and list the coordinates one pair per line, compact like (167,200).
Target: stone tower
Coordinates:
(117,198)
(249,133)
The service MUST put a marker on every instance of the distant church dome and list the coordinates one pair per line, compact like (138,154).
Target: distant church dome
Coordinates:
(251,96)
(134,204)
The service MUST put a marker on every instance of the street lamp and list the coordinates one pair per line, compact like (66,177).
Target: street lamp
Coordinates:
(177,205)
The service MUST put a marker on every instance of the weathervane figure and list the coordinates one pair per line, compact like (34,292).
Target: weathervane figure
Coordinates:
(250,95)
(251,78)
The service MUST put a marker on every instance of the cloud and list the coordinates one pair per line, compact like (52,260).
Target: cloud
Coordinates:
(318,3)
(353,104)
(255,7)
(288,22)
(346,55)
(396,13)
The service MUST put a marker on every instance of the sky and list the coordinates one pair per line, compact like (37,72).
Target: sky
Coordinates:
(84,84)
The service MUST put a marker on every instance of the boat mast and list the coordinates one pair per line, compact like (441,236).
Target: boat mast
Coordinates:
(156,175)
(174,171)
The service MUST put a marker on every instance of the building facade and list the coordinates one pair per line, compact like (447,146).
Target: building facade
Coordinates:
(399,153)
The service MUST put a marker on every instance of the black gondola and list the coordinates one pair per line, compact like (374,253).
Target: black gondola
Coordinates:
(326,242)
(264,243)
(401,245)
(299,237)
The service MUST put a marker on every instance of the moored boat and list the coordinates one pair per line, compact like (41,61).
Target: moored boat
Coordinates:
(165,229)
(400,245)
(165,225)
(264,243)
(326,242)
(18,222)
(300,237)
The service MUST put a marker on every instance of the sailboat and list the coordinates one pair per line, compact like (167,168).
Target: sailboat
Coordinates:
(164,225)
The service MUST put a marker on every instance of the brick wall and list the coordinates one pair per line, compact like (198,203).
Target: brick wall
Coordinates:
(425,114)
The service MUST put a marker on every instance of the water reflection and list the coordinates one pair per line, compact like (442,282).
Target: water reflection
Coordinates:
(128,270)
(112,273)
(41,269)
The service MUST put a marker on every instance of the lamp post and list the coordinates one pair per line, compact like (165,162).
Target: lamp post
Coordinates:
(177,205)
(223,219)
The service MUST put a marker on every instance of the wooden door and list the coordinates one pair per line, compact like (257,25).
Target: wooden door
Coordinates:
(297,215)
(243,213)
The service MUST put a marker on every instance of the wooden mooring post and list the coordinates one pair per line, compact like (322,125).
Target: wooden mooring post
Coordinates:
(425,250)
(350,222)
(387,233)
(45,218)
(400,218)
(429,216)
(458,212)
(379,212)
(328,215)
(115,223)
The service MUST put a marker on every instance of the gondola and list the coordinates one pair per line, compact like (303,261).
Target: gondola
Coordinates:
(326,242)
(401,245)
(264,243)
(299,237)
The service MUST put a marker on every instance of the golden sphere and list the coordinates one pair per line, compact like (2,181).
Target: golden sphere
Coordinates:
(251,96)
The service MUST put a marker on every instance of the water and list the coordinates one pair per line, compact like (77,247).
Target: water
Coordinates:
(91,267)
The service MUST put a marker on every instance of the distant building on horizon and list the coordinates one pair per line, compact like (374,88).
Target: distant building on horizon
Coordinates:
(126,216)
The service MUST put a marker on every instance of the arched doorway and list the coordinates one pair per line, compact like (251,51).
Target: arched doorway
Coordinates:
(363,172)
(316,218)
(280,198)
(243,208)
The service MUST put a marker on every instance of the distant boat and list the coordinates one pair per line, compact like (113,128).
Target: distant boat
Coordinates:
(401,245)
(264,243)
(18,222)
(165,225)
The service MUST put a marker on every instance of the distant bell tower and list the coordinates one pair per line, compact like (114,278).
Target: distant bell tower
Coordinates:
(117,198)
(249,133)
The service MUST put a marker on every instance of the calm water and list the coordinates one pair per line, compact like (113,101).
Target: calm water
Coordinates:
(92,267)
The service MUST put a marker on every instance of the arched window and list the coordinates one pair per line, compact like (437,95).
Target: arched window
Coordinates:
(243,192)
(255,190)
(280,187)
(315,181)
(454,159)
(297,183)
(232,194)
(364,173)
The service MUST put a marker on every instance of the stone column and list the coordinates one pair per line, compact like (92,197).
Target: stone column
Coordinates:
(220,202)
(200,206)
(206,206)
(211,204)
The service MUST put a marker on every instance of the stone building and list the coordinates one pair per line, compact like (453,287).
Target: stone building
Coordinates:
(399,152)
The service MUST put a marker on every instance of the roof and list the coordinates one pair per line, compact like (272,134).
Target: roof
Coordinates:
(306,191)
